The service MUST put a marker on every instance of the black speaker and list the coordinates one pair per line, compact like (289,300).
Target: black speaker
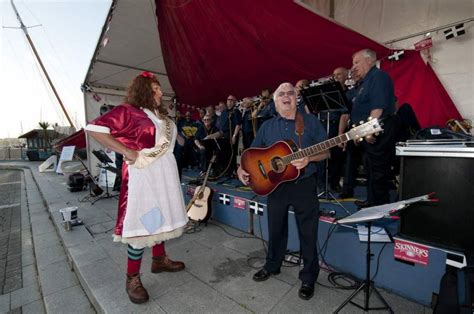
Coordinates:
(448,223)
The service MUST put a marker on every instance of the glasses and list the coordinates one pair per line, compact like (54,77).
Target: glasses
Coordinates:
(206,119)
(289,93)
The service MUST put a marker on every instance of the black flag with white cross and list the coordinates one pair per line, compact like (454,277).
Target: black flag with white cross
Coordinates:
(455,31)
(256,208)
(224,199)
(396,55)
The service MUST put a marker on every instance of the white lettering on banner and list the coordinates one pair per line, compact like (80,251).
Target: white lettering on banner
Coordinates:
(411,250)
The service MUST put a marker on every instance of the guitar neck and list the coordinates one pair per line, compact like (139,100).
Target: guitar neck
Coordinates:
(316,149)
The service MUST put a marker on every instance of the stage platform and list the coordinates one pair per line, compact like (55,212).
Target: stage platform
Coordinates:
(340,248)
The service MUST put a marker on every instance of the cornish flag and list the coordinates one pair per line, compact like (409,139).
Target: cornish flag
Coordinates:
(454,31)
(397,55)
(224,199)
(256,208)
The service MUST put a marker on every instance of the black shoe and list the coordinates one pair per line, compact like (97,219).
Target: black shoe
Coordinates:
(346,195)
(306,291)
(264,274)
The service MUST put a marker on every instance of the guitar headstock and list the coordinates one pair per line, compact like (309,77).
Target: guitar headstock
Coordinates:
(367,129)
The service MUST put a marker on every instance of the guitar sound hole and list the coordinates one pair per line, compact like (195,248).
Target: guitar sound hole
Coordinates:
(277,165)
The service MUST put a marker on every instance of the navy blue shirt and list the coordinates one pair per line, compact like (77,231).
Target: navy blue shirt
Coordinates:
(202,132)
(279,129)
(235,119)
(268,111)
(247,126)
(375,92)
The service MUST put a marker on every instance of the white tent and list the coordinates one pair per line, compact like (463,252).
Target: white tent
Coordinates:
(130,43)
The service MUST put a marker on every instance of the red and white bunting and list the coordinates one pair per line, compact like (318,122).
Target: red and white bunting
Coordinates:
(426,43)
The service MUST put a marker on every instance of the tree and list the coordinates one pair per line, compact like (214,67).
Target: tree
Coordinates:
(45,126)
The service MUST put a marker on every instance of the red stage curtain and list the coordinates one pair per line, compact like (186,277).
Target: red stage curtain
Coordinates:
(213,48)
(416,83)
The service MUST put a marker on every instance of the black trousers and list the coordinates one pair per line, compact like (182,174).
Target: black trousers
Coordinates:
(247,139)
(301,195)
(353,160)
(378,158)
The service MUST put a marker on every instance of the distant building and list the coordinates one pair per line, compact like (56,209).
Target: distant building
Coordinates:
(39,143)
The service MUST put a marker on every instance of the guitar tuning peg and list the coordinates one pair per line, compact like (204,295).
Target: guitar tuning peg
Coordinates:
(361,122)
(354,125)
(377,133)
(370,118)
(361,139)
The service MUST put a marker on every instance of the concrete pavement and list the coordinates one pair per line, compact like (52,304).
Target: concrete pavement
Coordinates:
(220,262)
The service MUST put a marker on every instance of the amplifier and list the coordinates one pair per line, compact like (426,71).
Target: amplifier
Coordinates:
(449,172)
(76,182)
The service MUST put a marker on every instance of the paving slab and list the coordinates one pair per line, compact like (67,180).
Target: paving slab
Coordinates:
(56,277)
(24,296)
(5,303)
(70,300)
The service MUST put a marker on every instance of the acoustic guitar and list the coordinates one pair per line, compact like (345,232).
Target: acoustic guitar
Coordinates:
(200,206)
(271,166)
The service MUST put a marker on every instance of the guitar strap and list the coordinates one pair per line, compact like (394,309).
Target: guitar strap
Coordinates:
(299,127)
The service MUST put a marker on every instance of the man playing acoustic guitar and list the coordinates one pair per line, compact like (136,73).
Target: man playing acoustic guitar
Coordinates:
(301,194)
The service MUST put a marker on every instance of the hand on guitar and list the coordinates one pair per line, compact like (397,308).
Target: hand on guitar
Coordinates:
(243,175)
(370,139)
(300,163)
(342,146)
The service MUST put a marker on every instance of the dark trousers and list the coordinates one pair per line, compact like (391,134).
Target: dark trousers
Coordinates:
(378,158)
(353,159)
(201,153)
(247,138)
(301,196)
(233,162)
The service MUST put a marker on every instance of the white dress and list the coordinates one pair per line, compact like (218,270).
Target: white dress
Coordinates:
(155,206)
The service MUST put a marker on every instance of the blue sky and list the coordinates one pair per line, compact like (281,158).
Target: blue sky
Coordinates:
(65,42)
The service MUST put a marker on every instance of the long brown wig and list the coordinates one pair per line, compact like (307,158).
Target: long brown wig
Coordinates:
(141,95)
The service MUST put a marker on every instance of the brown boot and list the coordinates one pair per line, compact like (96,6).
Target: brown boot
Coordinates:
(135,290)
(163,263)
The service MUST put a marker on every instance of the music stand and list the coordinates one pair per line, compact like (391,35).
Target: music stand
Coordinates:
(367,216)
(326,97)
(105,160)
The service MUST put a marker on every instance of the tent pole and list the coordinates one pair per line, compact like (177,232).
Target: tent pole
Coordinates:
(25,30)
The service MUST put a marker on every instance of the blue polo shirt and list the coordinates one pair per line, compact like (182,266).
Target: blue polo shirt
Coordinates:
(247,126)
(375,92)
(279,129)
(236,119)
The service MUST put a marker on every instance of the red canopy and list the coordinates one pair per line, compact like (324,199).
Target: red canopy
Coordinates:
(213,48)
(77,139)
(416,83)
